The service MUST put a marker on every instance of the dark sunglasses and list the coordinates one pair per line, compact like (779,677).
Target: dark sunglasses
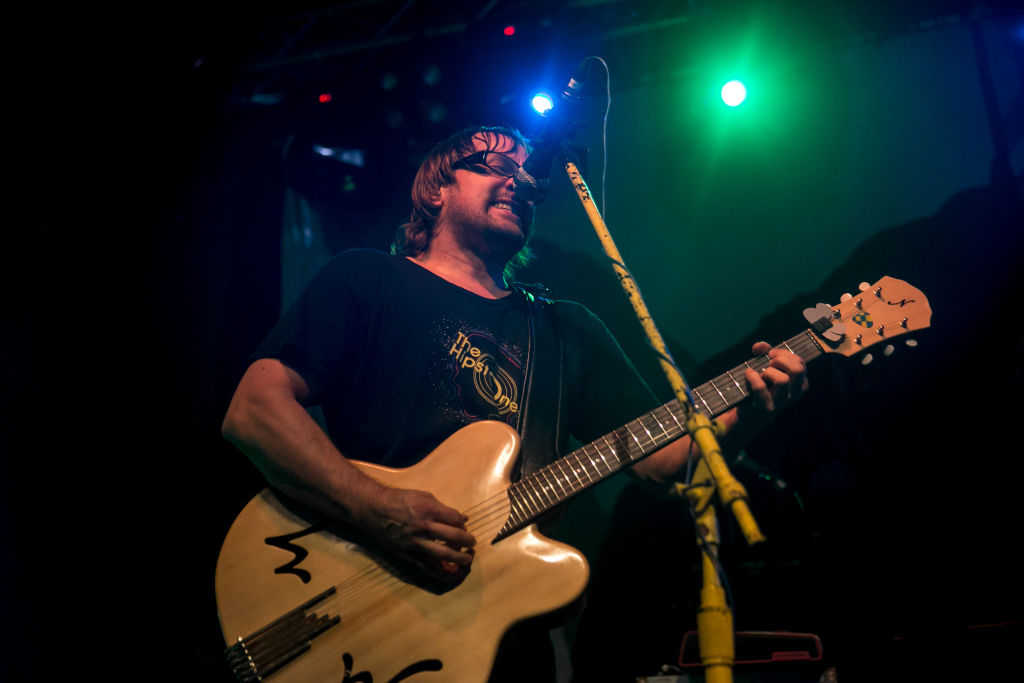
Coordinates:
(486,163)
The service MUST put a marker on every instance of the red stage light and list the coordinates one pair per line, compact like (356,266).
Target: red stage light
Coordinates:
(324,97)
(509,30)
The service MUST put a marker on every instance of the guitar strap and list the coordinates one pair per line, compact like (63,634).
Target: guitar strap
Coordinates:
(541,413)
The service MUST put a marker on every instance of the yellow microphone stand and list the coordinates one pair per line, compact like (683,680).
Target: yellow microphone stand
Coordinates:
(711,476)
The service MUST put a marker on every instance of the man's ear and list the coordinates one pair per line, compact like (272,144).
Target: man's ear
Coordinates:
(438,198)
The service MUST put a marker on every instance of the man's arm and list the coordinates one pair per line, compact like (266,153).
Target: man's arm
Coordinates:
(778,385)
(268,422)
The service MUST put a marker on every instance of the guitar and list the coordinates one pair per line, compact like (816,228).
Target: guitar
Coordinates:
(304,599)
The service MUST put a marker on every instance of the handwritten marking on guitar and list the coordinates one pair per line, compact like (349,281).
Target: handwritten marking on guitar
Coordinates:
(404,674)
(285,543)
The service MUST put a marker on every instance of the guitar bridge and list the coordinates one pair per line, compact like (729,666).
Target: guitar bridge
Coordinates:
(260,654)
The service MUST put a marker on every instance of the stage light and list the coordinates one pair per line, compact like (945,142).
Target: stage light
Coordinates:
(324,98)
(542,103)
(352,157)
(734,93)
(436,112)
(510,30)
(432,75)
(394,117)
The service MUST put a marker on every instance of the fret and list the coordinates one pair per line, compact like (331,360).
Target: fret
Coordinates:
(549,487)
(537,479)
(656,441)
(660,425)
(604,459)
(560,491)
(610,446)
(616,459)
(635,440)
(673,407)
(812,344)
(707,408)
(725,391)
(583,463)
(713,402)
(739,387)
(564,477)
(532,499)
(719,391)
(527,500)
(562,495)
(673,416)
(647,431)
(576,471)
(806,334)
(591,459)
(516,500)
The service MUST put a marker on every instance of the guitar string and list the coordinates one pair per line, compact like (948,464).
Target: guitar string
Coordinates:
(365,588)
(352,587)
(551,485)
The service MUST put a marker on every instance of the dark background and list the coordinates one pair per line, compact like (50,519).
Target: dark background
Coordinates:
(161,166)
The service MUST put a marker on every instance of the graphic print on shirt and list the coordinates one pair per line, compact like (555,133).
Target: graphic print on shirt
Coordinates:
(486,377)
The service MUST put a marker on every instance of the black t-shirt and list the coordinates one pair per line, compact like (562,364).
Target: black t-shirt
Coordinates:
(399,359)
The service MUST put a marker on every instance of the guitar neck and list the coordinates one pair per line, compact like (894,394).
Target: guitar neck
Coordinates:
(538,492)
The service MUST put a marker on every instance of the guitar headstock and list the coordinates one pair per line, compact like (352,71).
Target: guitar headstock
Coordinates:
(878,313)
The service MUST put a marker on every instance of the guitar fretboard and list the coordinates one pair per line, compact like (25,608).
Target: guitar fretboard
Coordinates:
(540,491)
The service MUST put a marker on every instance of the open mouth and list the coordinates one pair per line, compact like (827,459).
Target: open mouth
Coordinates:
(514,208)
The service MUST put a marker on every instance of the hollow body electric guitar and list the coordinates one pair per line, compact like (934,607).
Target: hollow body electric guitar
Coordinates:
(303,599)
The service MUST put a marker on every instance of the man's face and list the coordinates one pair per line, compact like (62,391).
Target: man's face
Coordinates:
(481,205)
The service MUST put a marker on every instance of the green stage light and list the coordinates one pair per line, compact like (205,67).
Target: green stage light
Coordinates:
(734,93)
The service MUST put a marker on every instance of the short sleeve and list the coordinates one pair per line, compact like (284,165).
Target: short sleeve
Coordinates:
(319,335)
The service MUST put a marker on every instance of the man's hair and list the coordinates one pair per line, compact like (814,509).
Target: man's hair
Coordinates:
(413,238)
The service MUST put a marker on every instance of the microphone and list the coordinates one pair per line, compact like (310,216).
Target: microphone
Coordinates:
(532,179)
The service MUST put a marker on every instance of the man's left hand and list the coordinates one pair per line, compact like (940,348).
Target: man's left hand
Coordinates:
(779,384)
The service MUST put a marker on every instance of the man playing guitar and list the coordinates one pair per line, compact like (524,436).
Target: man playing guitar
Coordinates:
(402,350)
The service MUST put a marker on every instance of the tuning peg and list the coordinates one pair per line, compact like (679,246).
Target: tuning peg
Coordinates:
(866,359)
(911,343)
(887,351)
(864,286)
(846,297)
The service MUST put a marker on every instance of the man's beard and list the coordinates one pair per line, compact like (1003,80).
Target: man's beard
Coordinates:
(484,235)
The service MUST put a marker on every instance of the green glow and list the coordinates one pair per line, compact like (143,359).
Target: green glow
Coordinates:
(772,112)
(733,93)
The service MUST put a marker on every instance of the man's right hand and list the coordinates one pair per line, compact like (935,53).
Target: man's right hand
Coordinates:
(267,421)
(417,526)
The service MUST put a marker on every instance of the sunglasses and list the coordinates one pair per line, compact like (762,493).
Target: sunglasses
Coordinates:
(485,163)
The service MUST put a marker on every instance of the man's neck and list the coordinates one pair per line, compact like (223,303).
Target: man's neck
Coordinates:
(464,269)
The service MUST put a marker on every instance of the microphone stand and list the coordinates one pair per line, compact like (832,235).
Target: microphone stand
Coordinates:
(711,476)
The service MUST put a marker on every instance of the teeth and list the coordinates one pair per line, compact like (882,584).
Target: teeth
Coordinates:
(508,206)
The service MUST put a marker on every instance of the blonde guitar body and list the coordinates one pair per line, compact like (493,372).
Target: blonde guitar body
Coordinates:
(381,627)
